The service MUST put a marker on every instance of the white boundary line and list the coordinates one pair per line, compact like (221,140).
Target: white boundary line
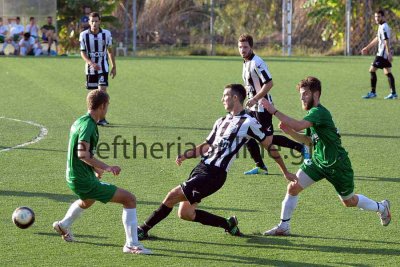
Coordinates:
(42,133)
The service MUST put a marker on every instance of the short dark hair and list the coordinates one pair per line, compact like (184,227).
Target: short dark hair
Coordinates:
(18,18)
(237,90)
(246,38)
(31,18)
(96,98)
(380,12)
(311,83)
(27,35)
(94,15)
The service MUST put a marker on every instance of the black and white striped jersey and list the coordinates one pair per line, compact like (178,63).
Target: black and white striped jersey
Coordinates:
(95,47)
(255,74)
(383,34)
(228,135)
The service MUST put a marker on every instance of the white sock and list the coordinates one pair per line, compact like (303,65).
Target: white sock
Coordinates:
(365,203)
(129,219)
(72,214)
(288,205)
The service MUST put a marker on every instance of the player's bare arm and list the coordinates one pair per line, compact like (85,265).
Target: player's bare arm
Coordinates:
(369,46)
(193,153)
(113,71)
(301,138)
(85,155)
(273,152)
(296,125)
(387,47)
(89,62)
(263,92)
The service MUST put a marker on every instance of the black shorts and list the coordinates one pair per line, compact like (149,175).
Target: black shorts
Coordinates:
(265,119)
(204,180)
(94,80)
(381,63)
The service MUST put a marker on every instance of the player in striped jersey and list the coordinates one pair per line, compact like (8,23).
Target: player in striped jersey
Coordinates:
(95,45)
(258,83)
(218,152)
(383,59)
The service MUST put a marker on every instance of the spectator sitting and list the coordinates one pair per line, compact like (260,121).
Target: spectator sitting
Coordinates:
(16,33)
(27,46)
(32,28)
(49,34)
(3,34)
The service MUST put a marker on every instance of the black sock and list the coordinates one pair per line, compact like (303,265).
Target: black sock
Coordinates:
(373,82)
(207,218)
(158,215)
(255,152)
(283,141)
(391,82)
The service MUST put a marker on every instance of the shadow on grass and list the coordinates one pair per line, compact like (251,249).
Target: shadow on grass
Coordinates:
(378,179)
(70,198)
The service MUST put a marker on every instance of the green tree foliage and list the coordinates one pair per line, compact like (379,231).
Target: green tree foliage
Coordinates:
(332,14)
(70,13)
(258,18)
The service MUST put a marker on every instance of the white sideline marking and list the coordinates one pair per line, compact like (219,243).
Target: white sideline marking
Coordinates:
(42,133)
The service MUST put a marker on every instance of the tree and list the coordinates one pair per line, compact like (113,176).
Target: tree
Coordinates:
(69,14)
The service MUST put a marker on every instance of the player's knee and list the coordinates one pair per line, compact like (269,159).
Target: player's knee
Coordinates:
(186,215)
(294,189)
(170,199)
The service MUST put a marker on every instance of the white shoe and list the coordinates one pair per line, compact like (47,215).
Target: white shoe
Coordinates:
(385,216)
(139,249)
(278,230)
(65,233)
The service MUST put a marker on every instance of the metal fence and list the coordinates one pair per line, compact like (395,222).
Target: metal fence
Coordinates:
(172,25)
(40,9)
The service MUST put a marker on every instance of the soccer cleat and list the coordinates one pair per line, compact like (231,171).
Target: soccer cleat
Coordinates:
(278,231)
(370,95)
(385,216)
(139,249)
(257,170)
(233,229)
(65,233)
(391,96)
(102,122)
(142,235)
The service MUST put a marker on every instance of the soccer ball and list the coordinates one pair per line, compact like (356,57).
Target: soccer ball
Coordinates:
(23,217)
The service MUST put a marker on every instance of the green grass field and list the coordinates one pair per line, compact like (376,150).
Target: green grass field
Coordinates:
(177,100)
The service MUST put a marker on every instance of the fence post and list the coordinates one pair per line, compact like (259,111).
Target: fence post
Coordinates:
(212,19)
(347,51)
(134,26)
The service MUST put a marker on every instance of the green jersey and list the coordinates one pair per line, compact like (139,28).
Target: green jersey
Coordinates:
(325,137)
(80,176)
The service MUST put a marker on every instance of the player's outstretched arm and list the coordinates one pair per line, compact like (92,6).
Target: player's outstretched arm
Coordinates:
(273,153)
(296,125)
(301,138)
(193,153)
(85,155)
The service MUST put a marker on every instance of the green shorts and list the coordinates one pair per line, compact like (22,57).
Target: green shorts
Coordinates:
(102,192)
(340,175)
(2,39)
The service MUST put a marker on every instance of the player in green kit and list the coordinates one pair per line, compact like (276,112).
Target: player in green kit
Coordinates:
(84,172)
(329,159)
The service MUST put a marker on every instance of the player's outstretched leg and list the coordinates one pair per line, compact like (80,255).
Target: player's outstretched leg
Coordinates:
(255,153)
